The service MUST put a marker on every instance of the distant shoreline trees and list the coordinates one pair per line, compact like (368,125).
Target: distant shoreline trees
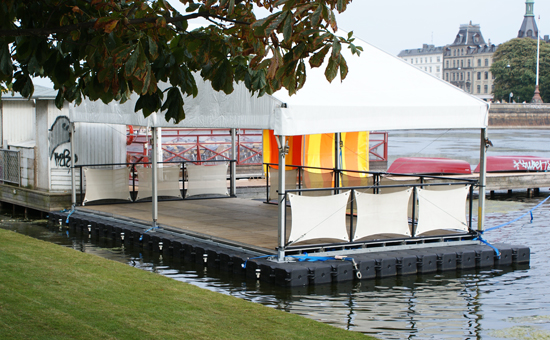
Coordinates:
(514,69)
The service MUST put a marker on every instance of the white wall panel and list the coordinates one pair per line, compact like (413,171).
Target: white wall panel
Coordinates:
(18,121)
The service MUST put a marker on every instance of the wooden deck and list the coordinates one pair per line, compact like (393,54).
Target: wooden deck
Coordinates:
(244,222)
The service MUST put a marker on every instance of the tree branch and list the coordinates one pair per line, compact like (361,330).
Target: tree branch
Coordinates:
(90,24)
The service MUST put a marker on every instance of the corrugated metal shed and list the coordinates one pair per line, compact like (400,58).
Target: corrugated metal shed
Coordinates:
(18,121)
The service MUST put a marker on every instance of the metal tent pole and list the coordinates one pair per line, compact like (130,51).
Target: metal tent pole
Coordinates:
(154,197)
(73,159)
(233,164)
(283,149)
(337,159)
(482,179)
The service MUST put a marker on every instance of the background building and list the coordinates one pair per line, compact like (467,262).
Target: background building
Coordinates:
(429,58)
(467,62)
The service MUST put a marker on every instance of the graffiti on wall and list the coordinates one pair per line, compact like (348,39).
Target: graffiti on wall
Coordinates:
(58,135)
(64,158)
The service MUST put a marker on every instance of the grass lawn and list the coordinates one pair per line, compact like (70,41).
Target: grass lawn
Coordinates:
(52,292)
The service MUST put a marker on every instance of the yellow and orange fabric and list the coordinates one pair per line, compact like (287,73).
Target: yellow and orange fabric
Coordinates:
(318,151)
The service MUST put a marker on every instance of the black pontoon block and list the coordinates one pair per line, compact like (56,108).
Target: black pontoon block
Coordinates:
(365,266)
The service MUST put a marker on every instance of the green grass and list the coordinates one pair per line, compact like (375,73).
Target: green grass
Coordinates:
(52,292)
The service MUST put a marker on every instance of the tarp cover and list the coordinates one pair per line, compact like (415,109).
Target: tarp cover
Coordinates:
(210,109)
(104,184)
(167,182)
(206,180)
(318,217)
(442,209)
(382,214)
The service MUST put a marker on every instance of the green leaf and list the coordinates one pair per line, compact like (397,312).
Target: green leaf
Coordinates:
(132,62)
(221,75)
(274,24)
(23,84)
(341,6)
(62,71)
(59,99)
(34,67)
(280,2)
(153,48)
(287,28)
(148,103)
(336,48)
(343,68)
(6,65)
(174,105)
(316,17)
(332,69)
(317,59)
(24,49)
(192,7)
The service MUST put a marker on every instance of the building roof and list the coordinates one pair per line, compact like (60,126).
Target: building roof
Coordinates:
(469,35)
(40,92)
(426,49)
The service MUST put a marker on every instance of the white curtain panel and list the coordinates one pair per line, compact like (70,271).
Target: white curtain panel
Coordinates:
(206,180)
(382,214)
(442,209)
(321,217)
(167,182)
(107,184)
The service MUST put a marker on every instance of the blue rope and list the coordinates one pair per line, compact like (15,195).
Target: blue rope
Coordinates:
(141,236)
(497,252)
(259,257)
(303,258)
(530,212)
(519,218)
(70,213)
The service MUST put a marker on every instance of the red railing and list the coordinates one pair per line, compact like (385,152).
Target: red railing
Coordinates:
(215,144)
(201,145)
(378,146)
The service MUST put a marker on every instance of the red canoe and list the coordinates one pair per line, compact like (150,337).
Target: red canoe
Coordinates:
(516,163)
(432,166)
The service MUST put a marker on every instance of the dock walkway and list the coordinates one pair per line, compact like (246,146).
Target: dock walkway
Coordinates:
(235,235)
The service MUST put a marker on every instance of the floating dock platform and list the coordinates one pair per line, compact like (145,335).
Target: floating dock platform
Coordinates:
(239,236)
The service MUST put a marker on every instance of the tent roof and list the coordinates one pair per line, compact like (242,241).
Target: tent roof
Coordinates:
(381,92)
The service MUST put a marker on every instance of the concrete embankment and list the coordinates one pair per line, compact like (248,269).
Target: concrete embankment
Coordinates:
(519,115)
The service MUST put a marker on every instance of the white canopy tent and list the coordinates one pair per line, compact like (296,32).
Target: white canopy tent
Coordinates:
(381,92)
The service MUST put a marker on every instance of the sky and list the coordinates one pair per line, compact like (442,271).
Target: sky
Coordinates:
(395,25)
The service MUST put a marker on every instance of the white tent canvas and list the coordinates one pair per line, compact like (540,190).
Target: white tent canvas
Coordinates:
(381,92)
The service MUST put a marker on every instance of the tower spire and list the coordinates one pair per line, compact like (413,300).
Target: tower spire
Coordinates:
(529,4)
(529,27)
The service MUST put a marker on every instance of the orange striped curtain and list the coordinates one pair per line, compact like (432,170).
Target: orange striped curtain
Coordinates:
(271,151)
(355,150)
(318,150)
